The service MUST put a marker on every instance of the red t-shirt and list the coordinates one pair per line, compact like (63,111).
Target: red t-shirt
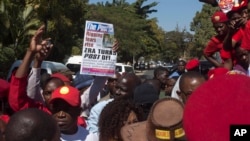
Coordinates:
(246,37)
(238,35)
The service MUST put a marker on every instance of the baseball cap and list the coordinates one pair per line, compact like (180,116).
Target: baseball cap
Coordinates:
(219,17)
(67,93)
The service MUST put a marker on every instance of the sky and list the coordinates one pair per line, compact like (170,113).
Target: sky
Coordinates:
(172,12)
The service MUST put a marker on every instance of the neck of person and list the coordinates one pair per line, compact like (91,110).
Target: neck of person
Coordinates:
(70,131)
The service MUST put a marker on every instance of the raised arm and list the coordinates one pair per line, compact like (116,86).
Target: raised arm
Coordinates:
(35,46)
(18,98)
(34,87)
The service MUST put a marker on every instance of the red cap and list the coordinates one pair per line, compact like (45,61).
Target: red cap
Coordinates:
(191,64)
(215,105)
(61,76)
(4,88)
(69,94)
(219,17)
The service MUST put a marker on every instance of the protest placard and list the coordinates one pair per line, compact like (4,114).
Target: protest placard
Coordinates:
(98,58)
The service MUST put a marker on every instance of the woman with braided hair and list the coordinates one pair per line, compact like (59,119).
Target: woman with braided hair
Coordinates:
(114,116)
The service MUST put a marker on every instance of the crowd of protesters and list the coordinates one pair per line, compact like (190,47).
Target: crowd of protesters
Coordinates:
(185,105)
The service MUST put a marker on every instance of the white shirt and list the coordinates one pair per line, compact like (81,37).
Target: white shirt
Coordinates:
(175,89)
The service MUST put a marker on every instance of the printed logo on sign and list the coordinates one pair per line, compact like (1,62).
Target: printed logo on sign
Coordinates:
(100,27)
(240,133)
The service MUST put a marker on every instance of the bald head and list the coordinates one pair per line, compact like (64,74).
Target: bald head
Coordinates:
(189,82)
(127,83)
(32,125)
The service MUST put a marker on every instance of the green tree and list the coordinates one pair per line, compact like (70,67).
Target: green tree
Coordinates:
(202,28)
(130,28)
(65,20)
(19,19)
(144,10)
(17,23)
(177,44)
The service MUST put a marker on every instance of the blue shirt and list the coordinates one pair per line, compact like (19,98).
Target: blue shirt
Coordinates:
(92,122)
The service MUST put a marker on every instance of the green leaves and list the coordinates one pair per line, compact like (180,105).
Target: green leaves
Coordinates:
(137,35)
(203,28)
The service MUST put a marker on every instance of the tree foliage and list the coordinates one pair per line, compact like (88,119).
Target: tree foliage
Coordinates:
(177,44)
(19,20)
(138,35)
(202,28)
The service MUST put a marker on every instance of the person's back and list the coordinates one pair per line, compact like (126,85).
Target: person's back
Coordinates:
(32,125)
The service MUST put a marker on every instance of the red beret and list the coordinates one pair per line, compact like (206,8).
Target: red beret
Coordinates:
(191,64)
(217,72)
(215,105)
(219,17)
(4,88)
